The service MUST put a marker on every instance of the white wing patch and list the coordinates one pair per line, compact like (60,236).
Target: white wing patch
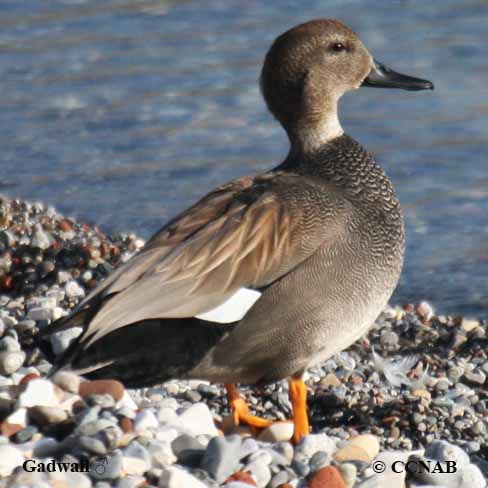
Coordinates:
(234,308)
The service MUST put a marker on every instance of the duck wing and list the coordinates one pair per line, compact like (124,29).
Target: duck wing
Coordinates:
(245,234)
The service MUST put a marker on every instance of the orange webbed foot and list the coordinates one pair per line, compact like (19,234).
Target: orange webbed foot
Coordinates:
(240,410)
(298,398)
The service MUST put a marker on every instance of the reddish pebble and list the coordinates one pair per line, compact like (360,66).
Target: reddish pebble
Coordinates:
(65,225)
(105,248)
(285,485)
(328,477)
(28,377)
(10,429)
(409,307)
(102,387)
(6,282)
(243,477)
(126,424)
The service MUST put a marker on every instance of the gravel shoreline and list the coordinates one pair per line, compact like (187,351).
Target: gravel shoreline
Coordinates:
(415,386)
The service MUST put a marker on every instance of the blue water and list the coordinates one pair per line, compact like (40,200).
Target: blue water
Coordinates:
(124,112)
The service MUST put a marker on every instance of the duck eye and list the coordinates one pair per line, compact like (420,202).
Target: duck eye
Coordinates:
(338,47)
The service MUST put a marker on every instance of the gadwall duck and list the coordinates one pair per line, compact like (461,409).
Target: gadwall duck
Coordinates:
(267,274)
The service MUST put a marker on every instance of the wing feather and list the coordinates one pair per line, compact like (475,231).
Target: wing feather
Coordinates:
(244,234)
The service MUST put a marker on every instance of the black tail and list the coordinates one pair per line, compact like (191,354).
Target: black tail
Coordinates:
(144,353)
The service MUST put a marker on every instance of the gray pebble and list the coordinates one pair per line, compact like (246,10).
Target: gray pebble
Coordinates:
(285,449)
(91,428)
(442,385)
(92,445)
(60,341)
(301,467)
(88,415)
(319,460)
(444,451)
(455,373)
(136,450)
(102,484)
(262,456)
(188,450)
(278,479)
(278,459)
(10,344)
(193,396)
(24,325)
(40,313)
(106,468)
(249,445)
(389,340)
(222,456)
(25,434)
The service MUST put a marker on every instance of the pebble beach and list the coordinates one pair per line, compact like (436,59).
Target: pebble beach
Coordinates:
(413,389)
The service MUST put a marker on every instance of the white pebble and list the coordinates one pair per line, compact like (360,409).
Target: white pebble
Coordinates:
(73,289)
(236,484)
(10,458)
(277,432)
(18,416)
(167,434)
(127,402)
(41,239)
(10,362)
(310,444)
(7,320)
(198,420)
(167,415)
(134,466)
(60,341)
(471,477)
(77,480)
(38,392)
(425,310)
(174,477)
(145,420)
(161,453)
(39,313)
(67,381)
(63,276)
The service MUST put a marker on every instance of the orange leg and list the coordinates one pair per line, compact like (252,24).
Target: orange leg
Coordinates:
(240,410)
(298,398)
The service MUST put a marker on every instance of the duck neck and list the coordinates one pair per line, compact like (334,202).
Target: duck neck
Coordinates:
(313,131)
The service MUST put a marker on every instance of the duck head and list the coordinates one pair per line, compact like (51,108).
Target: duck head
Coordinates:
(309,67)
